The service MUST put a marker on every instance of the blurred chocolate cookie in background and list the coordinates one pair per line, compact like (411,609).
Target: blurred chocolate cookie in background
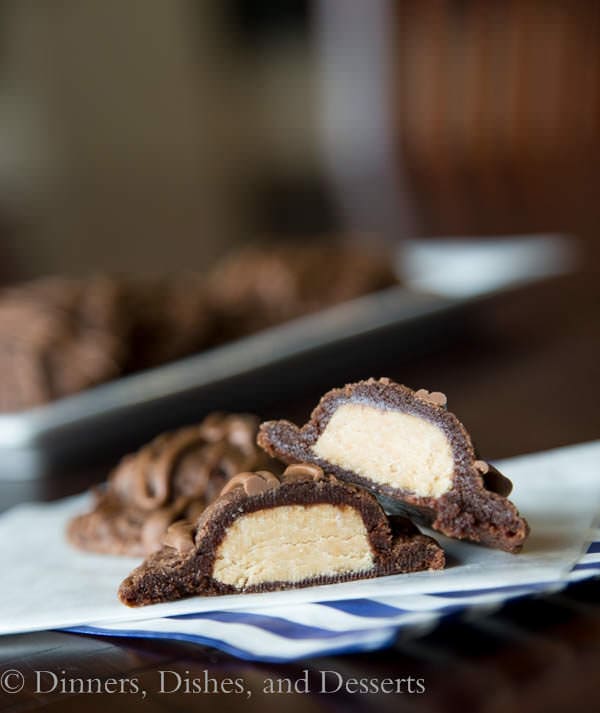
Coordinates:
(59,336)
(170,318)
(258,287)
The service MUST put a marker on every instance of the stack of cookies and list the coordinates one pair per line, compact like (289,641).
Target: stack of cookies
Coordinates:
(374,458)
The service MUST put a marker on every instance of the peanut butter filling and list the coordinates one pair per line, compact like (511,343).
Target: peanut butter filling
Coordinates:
(388,447)
(291,543)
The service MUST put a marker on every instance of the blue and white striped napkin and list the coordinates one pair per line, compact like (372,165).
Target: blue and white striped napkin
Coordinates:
(558,491)
(284,633)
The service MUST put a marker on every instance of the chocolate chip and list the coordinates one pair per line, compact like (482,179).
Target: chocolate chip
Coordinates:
(438,398)
(253,483)
(495,482)
(433,397)
(180,536)
(303,471)
(481,466)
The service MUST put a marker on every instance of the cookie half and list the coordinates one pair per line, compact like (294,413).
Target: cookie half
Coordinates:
(266,533)
(411,452)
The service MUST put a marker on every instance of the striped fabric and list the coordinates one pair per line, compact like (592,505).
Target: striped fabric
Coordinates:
(284,633)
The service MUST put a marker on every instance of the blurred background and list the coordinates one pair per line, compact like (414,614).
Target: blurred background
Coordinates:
(148,135)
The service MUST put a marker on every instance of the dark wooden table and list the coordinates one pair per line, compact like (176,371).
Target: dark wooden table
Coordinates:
(523,377)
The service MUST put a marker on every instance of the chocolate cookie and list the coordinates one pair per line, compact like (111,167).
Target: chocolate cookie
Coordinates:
(174,476)
(409,450)
(57,337)
(170,318)
(265,533)
(263,286)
